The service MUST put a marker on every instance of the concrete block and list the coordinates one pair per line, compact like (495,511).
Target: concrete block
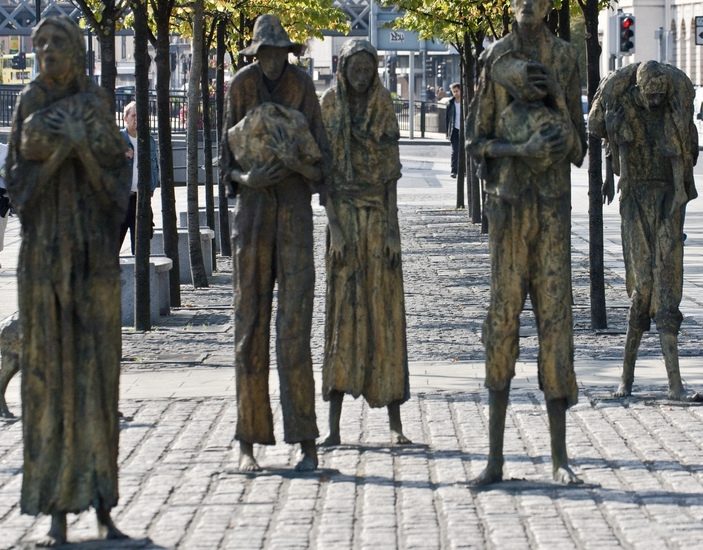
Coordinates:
(206,236)
(162,267)
(183,222)
(128,290)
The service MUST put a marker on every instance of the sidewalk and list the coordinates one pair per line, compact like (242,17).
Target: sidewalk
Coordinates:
(640,457)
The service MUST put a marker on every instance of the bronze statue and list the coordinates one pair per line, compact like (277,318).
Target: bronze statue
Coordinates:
(67,178)
(272,241)
(10,342)
(365,345)
(525,126)
(645,113)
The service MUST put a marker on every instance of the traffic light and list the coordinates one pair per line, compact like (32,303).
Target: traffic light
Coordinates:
(440,70)
(335,61)
(626,30)
(392,64)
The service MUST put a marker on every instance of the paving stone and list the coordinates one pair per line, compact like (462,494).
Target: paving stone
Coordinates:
(640,458)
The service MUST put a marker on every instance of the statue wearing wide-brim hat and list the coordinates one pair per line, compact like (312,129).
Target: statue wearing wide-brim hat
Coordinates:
(268,31)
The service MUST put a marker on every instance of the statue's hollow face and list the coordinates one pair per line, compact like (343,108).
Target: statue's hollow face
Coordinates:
(530,12)
(272,61)
(360,71)
(653,90)
(53,49)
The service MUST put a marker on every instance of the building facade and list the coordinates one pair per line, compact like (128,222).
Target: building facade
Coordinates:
(665,30)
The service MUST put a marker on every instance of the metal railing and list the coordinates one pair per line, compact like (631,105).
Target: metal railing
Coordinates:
(426,116)
(178,108)
(426,113)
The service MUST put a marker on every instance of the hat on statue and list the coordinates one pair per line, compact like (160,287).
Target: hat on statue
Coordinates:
(268,31)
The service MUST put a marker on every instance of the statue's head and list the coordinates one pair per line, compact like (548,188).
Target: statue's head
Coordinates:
(60,49)
(270,45)
(652,83)
(530,13)
(358,65)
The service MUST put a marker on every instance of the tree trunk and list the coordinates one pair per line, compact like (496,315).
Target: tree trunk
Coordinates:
(108,68)
(474,189)
(162,14)
(142,303)
(477,193)
(207,147)
(197,266)
(565,21)
(552,20)
(599,318)
(104,30)
(223,205)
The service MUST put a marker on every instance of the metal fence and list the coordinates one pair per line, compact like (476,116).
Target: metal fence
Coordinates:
(426,115)
(178,108)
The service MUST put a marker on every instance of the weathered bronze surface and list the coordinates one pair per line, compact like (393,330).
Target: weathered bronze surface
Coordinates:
(525,127)
(67,178)
(365,345)
(272,242)
(10,340)
(645,113)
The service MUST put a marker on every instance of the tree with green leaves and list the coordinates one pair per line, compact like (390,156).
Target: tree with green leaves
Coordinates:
(464,24)
(104,18)
(233,24)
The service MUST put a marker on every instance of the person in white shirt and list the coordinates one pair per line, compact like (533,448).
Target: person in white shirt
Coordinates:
(454,125)
(129,134)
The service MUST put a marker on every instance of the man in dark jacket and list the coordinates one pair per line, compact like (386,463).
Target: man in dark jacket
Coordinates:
(129,134)
(454,125)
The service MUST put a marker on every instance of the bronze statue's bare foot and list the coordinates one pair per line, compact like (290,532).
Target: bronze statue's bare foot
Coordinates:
(49,542)
(624,390)
(493,473)
(566,476)
(396,425)
(248,463)
(397,438)
(676,393)
(106,527)
(57,533)
(309,461)
(306,464)
(331,440)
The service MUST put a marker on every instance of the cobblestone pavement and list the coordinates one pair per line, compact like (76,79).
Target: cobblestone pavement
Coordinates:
(640,458)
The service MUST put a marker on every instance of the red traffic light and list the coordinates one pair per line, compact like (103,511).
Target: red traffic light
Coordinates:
(626,29)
